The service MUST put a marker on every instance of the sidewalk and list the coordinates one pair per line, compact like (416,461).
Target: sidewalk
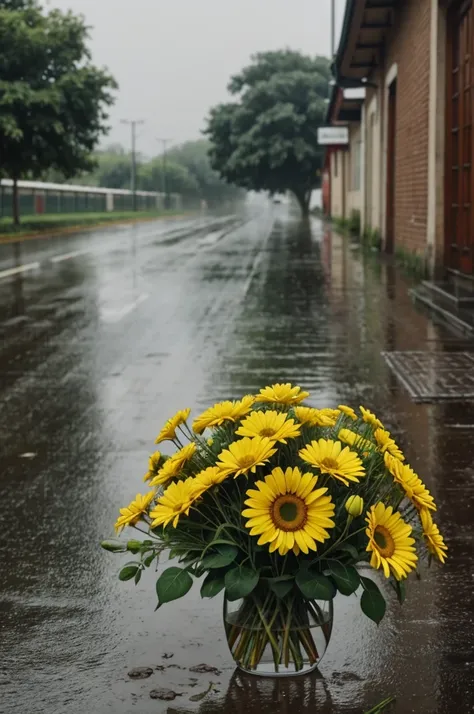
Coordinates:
(321,314)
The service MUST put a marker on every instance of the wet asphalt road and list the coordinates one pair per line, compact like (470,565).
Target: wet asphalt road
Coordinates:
(103,337)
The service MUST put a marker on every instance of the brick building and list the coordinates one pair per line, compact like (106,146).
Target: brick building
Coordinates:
(415,61)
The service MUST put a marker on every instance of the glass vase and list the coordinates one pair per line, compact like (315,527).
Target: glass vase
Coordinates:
(275,637)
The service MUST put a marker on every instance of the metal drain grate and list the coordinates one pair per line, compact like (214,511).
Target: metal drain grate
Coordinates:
(434,376)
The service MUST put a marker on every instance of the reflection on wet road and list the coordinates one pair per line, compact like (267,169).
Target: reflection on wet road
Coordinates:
(105,335)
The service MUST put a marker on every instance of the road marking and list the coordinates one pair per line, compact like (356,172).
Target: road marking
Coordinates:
(115,315)
(67,256)
(20,269)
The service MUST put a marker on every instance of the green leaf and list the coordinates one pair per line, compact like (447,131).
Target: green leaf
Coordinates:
(224,555)
(240,581)
(400,588)
(138,575)
(212,585)
(172,584)
(149,560)
(352,550)
(346,577)
(372,601)
(128,571)
(282,585)
(315,586)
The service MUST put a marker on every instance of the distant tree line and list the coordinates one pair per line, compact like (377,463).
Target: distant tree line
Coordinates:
(185,169)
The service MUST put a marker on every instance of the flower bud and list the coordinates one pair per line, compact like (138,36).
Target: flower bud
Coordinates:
(354,506)
(114,546)
(134,546)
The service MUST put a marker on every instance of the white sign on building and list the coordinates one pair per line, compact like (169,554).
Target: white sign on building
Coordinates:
(333,136)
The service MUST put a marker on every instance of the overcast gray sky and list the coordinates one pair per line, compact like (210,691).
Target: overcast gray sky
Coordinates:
(173,58)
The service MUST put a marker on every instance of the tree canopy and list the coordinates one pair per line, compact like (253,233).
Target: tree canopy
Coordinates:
(53,100)
(267,138)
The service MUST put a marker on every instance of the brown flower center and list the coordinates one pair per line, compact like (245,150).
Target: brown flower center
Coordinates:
(384,541)
(268,431)
(246,461)
(329,464)
(289,512)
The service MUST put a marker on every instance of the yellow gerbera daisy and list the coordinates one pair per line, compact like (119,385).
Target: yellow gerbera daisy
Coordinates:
(174,464)
(411,483)
(433,538)
(288,512)
(273,424)
(386,443)
(130,515)
(282,394)
(330,458)
(221,412)
(370,418)
(243,406)
(348,411)
(313,417)
(390,542)
(153,465)
(245,455)
(355,440)
(209,477)
(168,433)
(176,500)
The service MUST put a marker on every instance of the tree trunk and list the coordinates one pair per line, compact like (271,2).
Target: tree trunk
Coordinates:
(303,200)
(15,205)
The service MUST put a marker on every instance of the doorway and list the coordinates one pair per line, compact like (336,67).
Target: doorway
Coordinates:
(459,188)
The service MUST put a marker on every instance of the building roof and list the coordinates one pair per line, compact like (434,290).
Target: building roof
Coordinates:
(366,24)
(345,104)
(72,188)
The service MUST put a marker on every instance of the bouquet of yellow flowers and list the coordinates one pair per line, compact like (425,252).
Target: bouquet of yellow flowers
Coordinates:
(276,504)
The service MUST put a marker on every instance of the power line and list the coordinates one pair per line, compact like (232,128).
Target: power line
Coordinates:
(133,123)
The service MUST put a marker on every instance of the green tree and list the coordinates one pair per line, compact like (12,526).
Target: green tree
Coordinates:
(170,178)
(267,138)
(194,156)
(53,100)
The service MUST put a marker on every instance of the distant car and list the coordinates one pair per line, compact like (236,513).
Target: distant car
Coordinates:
(277,200)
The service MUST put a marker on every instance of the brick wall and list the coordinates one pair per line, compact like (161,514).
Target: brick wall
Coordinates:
(409,46)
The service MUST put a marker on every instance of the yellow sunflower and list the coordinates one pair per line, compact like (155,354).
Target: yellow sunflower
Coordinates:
(356,440)
(390,542)
(130,515)
(433,538)
(273,424)
(168,433)
(313,417)
(330,458)
(370,418)
(223,411)
(153,465)
(209,477)
(174,464)
(386,443)
(411,483)
(288,512)
(282,394)
(348,411)
(245,455)
(176,500)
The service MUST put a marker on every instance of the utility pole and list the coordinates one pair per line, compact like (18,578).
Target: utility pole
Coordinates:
(133,174)
(164,143)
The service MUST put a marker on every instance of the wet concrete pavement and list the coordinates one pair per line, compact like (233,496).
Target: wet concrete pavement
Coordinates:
(98,348)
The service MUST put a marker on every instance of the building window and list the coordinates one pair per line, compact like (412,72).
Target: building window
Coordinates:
(356,155)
